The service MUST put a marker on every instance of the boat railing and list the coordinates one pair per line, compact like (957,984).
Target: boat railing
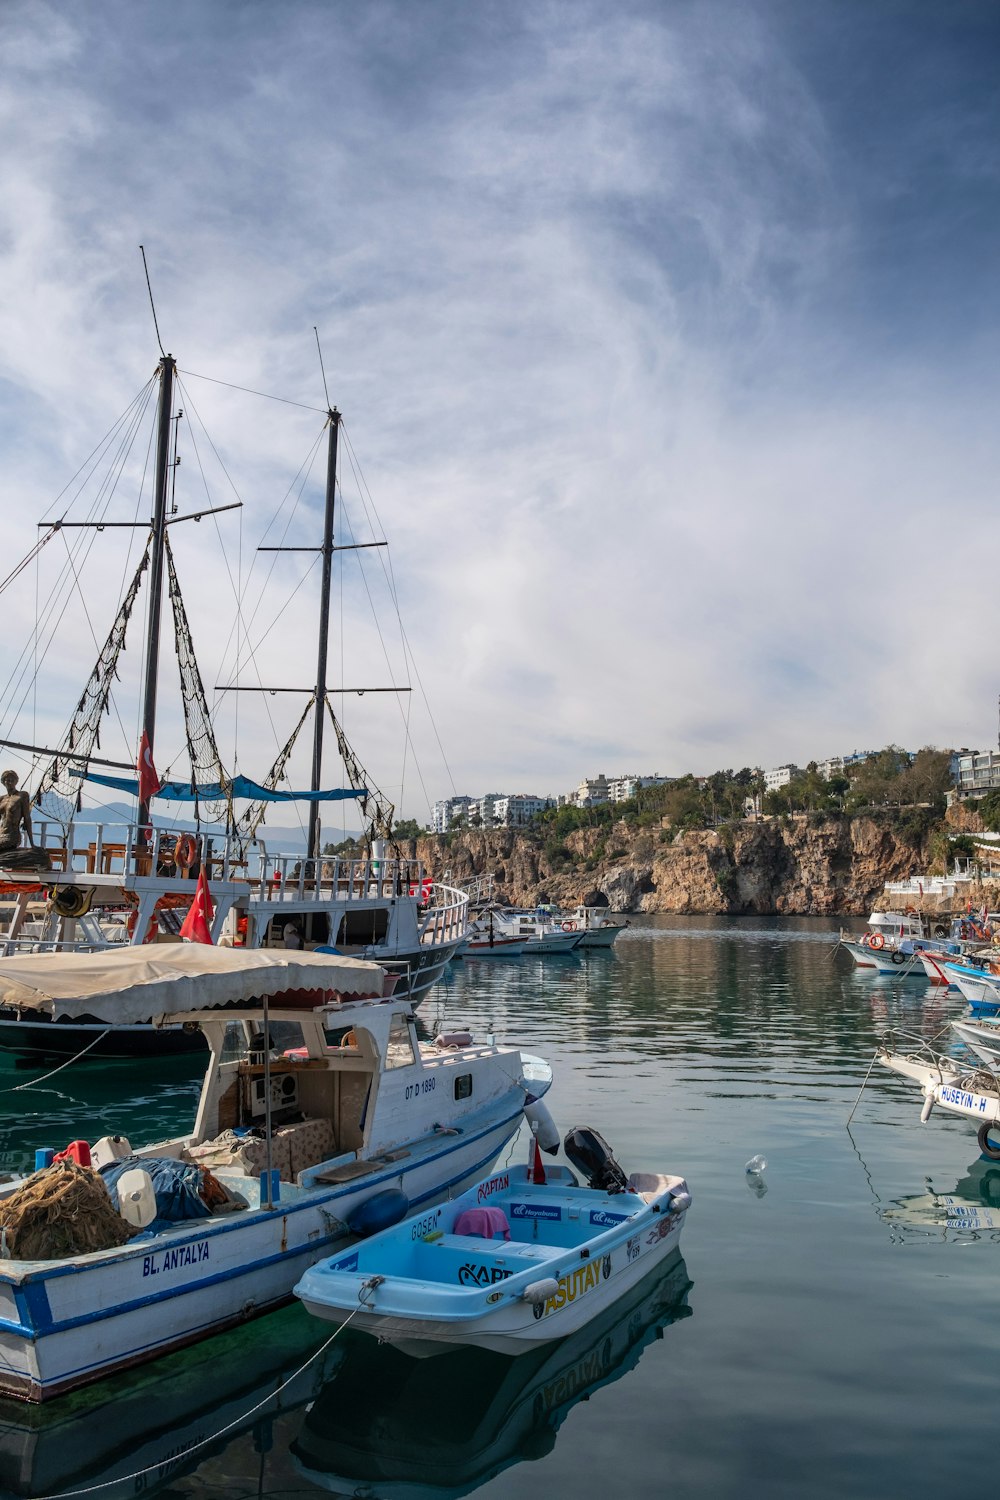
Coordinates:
(974,1077)
(289,877)
(86,848)
(445,918)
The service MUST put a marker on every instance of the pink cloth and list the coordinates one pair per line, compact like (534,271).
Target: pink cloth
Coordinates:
(487,1222)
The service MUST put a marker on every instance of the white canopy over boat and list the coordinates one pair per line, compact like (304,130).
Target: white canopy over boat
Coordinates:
(132,984)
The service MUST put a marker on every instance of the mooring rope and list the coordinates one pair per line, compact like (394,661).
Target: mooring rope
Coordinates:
(92,1489)
(45,1076)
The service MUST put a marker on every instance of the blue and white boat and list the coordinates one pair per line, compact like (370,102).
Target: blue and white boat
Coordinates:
(979,984)
(514,1262)
(317,1140)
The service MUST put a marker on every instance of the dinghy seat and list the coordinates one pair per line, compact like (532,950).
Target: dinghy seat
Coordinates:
(485,1223)
(650,1185)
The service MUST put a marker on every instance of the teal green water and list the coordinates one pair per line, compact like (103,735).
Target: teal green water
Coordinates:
(830,1336)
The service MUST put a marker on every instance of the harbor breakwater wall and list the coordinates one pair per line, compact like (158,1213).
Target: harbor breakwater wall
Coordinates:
(805,866)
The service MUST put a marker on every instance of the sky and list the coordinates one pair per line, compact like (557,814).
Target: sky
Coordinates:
(665,337)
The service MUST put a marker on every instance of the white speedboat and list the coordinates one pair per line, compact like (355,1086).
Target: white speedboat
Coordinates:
(520,1259)
(318,1140)
(500,1411)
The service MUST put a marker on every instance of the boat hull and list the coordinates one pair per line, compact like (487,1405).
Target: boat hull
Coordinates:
(66,1323)
(601,937)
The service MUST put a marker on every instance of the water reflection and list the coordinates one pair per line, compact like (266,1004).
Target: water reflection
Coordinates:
(132,1433)
(969,1210)
(390,1425)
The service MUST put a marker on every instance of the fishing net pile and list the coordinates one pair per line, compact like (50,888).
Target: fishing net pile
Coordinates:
(63,1210)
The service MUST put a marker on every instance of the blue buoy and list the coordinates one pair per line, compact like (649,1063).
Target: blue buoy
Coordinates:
(379,1211)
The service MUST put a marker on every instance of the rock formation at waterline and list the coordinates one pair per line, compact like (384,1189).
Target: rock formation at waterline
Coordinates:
(796,866)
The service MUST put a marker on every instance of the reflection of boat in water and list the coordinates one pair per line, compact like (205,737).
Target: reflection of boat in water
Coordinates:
(971,1207)
(153,1418)
(403,1427)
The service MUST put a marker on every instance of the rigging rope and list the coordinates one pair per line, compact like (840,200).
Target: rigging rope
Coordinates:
(206,765)
(374,805)
(252,818)
(83,735)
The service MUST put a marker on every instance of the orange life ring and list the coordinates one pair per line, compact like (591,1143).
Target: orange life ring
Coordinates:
(876,940)
(185,851)
(569,927)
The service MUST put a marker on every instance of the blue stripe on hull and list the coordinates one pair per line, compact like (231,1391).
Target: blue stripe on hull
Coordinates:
(32,1298)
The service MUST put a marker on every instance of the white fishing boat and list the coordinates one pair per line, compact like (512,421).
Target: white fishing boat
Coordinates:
(521,1258)
(91,879)
(949,1083)
(981,1034)
(893,942)
(539,933)
(487,939)
(978,981)
(597,927)
(318,1140)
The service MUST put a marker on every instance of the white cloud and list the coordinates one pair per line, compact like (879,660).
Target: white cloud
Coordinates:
(579,275)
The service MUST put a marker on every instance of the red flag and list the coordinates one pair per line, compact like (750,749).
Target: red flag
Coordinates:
(149,782)
(197,925)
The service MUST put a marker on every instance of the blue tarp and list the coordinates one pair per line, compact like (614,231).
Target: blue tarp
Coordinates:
(176,1185)
(240,786)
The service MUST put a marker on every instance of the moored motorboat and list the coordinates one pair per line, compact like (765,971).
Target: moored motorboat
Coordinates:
(408,1429)
(565,1253)
(316,1140)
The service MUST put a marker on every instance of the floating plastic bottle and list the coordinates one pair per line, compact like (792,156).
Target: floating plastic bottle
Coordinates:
(756,1165)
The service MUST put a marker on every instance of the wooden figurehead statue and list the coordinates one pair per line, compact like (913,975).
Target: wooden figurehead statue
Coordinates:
(15,815)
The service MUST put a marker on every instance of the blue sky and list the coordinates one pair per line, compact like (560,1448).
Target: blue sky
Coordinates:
(666,336)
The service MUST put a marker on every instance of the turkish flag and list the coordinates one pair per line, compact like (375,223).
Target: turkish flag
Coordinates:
(197,925)
(149,782)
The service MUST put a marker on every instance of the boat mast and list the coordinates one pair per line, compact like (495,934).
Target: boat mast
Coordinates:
(164,410)
(327,549)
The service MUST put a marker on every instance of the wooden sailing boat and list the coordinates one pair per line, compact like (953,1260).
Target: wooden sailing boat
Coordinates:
(136,885)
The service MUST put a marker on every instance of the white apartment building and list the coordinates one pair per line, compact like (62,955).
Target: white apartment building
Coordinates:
(448,809)
(780,776)
(623,788)
(515,810)
(590,792)
(481,810)
(977,773)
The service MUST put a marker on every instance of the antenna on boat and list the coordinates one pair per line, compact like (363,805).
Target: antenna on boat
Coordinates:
(152,304)
(322,369)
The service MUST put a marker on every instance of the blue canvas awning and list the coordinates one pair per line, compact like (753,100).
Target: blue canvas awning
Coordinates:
(239,787)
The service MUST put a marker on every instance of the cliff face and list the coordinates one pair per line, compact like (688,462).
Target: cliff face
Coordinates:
(798,867)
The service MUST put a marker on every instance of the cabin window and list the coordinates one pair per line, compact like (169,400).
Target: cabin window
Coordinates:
(463,1086)
(358,928)
(401,1051)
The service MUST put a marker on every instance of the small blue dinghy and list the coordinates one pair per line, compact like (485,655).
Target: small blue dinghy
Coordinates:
(525,1256)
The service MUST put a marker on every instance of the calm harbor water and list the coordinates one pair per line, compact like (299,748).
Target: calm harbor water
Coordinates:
(826,1333)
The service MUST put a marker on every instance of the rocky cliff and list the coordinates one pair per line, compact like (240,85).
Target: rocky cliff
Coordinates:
(794,866)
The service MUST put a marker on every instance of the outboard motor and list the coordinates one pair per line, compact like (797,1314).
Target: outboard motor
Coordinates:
(590,1154)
